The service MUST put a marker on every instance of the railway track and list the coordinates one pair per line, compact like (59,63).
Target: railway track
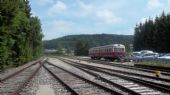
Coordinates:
(64,88)
(14,83)
(81,85)
(151,70)
(156,87)
(141,74)
(17,72)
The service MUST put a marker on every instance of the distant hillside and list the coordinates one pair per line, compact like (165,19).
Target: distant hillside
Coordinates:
(68,42)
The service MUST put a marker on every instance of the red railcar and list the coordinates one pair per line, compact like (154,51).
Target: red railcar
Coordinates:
(112,52)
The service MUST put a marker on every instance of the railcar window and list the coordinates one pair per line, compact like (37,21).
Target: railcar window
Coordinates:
(123,49)
(115,49)
(119,49)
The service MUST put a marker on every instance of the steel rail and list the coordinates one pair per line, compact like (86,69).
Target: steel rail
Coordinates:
(126,66)
(157,86)
(17,92)
(61,81)
(17,72)
(85,79)
(130,73)
(146,76)
(104,79)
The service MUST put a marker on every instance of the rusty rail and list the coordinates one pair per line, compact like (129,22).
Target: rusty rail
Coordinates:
(17,72)
(27,80)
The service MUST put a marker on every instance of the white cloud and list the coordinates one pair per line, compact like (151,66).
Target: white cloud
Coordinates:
(67,27)
(158,5)
(129,31)
(168,3)
(58,7)
(82,9)
(85,8)
(62,26)
(143,20)
(44,2)
(107,16)
(59,28)
(154,4)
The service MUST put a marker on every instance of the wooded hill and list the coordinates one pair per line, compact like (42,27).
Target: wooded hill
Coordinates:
(69,42)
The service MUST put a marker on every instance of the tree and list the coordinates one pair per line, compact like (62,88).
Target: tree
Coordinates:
(27,9)
(153,35)
(36,36)
(20,34)
(81,48)
(7,12)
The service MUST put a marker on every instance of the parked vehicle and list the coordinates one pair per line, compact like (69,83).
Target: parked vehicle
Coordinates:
(148,56)
(111,52)
(140,53)
(146,51)
(134,54)
(162,54)
(165,57)
(145,56)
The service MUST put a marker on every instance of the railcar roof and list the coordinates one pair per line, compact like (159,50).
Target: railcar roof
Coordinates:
(111,45)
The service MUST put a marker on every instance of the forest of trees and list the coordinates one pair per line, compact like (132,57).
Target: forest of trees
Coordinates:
(153,34)
(81,48)
(79,42)
(20,33)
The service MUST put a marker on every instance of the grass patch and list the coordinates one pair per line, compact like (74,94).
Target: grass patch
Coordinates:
(160,64)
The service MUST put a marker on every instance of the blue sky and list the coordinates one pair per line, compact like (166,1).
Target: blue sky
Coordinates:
(67,17)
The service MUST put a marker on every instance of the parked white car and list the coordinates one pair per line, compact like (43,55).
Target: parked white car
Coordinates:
(146,51)
(135,54)
(150,56)
(140,53)
(138,56)
(165,57)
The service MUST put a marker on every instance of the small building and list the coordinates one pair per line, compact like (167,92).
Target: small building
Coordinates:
(50,50)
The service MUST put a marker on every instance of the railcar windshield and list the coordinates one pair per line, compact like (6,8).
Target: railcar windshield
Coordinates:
(119,49)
